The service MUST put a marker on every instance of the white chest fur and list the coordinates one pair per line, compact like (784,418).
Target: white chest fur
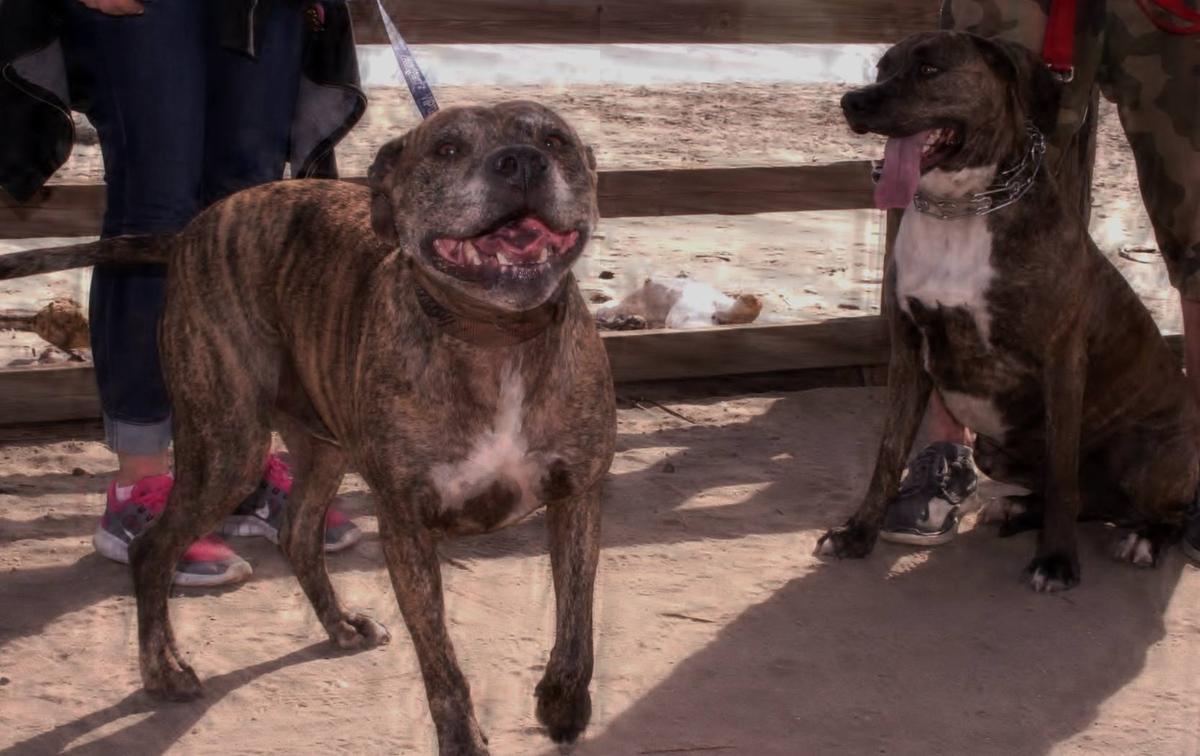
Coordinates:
(949,262)
(946,262)
(500,452)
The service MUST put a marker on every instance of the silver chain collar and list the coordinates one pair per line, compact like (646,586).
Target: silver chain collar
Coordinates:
(1008,186)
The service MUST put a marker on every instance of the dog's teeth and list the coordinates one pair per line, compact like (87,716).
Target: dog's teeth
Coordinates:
(503,258)
(544,254)
(470,254)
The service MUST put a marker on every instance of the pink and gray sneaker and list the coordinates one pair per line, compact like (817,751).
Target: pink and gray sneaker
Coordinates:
(261,513)
(207,562)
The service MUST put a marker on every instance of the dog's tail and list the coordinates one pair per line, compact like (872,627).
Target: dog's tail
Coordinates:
(118,250)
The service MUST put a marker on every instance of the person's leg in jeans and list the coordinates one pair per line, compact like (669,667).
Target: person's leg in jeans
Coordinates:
(146,82)
(146,79)
(250,106)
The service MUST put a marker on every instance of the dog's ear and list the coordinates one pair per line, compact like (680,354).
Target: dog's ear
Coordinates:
(380,180)
(1036,90)
(1042,94)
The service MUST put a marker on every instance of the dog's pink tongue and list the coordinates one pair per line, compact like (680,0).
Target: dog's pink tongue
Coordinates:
(901,171)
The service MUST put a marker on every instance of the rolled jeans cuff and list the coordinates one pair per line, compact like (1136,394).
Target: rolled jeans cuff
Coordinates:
(139,439)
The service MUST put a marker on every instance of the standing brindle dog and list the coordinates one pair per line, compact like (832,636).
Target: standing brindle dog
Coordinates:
(1032,338)
(426,330)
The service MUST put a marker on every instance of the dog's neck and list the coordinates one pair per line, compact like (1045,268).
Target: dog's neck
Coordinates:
(485,327)
(981,189)
(944,184)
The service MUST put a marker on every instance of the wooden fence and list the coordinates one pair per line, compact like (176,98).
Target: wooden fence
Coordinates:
(60,393)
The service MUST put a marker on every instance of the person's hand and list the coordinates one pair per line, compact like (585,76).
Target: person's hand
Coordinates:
(116,7)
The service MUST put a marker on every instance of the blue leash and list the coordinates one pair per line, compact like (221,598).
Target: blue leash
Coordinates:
(417,85)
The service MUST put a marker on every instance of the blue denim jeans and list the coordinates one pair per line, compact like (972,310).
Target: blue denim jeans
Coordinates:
(182,123)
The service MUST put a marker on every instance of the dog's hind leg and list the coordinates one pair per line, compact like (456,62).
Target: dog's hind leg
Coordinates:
(1144,546)
(564,705)
(319,467)
(221,427)
(1015,513)
(213,473)
(1157,473)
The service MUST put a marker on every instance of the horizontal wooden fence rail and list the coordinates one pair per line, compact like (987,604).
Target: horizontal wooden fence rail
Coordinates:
(76,209)
(640,21)
(48,394)
(60,393)
(53,394)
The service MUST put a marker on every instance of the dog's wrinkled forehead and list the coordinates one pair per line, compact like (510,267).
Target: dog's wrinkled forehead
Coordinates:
(501,125)
(464,167)
(944,51)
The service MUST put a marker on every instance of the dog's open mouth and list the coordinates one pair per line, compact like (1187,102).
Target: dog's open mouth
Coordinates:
(938,145)
(522,248)
(906,158)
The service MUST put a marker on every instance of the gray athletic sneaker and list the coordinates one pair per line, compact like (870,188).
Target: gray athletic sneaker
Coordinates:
(206,563)
(927,509)
(261,513)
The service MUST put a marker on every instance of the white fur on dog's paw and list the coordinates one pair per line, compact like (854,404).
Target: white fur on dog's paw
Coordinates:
(824,547)
(1136,550)
(1000,511)
(1043,583)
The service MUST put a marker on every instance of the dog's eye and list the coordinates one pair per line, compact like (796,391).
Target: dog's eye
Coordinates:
(928,70)
(447,149)
(554,141)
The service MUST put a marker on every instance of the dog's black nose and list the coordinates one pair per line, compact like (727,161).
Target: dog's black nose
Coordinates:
(855,103)
(520,167)
(858,105)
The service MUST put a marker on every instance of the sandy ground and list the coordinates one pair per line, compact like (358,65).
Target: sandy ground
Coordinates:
(804,266)
(717,632)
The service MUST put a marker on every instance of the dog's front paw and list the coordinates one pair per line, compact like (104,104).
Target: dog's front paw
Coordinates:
(1056,572)
(172,680)
(562,709)
(458,735)
(475,746)
(358,631)
(852,540)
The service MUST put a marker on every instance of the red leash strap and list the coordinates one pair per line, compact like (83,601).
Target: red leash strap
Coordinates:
(1172,16)
(1058,46)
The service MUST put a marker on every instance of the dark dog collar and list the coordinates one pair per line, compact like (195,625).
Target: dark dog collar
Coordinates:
(495,332)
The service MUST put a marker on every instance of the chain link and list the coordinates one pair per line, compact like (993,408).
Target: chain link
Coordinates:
(1008,186)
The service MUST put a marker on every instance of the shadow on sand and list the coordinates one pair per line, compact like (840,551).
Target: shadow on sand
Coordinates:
(944,651)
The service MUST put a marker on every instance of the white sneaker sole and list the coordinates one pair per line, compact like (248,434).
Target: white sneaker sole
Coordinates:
(249,526)
(109,546)
(916,539)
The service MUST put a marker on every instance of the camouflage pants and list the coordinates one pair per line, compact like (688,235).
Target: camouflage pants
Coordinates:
(1152,76)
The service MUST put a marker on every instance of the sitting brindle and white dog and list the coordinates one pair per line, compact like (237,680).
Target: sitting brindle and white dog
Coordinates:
(1000,301)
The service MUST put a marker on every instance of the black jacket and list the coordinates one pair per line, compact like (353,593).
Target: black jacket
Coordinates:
(37,93)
